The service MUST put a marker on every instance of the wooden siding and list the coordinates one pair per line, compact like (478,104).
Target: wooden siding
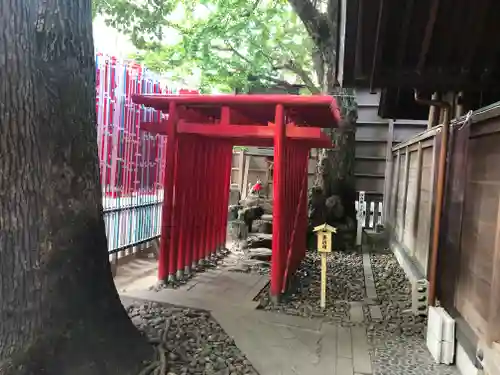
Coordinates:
(469,251)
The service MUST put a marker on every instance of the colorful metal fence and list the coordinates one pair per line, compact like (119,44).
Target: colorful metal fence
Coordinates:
(131,162)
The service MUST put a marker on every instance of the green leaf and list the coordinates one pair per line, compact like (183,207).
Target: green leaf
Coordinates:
(228,41)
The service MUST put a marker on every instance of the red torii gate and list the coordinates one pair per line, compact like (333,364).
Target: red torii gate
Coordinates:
(202,130)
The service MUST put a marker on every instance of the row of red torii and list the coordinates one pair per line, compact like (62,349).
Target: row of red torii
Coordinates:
(201,132)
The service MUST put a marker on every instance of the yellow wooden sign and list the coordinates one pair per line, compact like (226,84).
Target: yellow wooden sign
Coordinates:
(324,242)
(324,234)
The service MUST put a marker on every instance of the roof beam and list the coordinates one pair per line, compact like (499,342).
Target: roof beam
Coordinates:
(476,33)
(403,37)
(429,30)
(377,54)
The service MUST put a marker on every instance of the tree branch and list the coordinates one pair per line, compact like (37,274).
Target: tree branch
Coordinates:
(277,81)
(303,75)
(266,77)
(315,23)
(230,48)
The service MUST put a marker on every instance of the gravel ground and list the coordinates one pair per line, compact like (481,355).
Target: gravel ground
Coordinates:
(196,344)
(398,342)
(239,260)
(345,284)
(394,297)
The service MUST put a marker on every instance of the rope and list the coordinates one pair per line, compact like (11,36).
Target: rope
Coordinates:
(467,121)
(159,366)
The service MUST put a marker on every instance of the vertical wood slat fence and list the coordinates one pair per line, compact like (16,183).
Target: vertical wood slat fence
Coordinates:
(411,180)
(131,161)
(469,247)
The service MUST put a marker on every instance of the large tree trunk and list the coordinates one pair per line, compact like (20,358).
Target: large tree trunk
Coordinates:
(60,313)
(334,192)
(333,196)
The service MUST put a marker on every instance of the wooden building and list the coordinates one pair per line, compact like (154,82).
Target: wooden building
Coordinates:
(444,197)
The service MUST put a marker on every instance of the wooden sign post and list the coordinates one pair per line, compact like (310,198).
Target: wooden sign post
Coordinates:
(324,236)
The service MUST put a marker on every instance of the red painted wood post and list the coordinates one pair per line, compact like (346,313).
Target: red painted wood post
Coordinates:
(174,225)
(288,209)
(207,194)
(303,214)
(221,164)
(302,160)
(214,182)
(185,155)
(227,186)
(278,209)
(211,186)
(214,202)
(191,167)
(206,183)
(165,235)
(293,202)
(202,207)
(196,207)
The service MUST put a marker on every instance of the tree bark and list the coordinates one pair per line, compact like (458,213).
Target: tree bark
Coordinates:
(335,179)
(333,196)
(60,313)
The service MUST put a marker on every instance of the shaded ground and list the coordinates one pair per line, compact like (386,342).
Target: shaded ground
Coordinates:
(195,342)
(396,337)
(275,344)
(349,338)
(398,341)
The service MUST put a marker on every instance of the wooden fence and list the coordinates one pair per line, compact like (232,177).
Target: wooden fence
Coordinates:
(469,252)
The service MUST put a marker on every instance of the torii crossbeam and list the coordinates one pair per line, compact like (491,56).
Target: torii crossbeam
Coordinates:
(201,131)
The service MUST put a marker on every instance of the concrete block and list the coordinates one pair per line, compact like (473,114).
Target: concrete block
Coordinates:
(375,312)
(360,350)
(434,345)
(419,296)
(344,343)
(447,352)
(371,292)
(344,366)
(464,363)
(356,312)
(435,323)
(448,326)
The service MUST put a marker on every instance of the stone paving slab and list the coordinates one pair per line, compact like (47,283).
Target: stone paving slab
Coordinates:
(274,343)
(376,312)
(356,312)
(344,343)
(360,351)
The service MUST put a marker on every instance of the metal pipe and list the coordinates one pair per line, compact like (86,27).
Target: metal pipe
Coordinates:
(445,106)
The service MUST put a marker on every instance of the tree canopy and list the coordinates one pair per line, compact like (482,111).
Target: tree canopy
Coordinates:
(230,44)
